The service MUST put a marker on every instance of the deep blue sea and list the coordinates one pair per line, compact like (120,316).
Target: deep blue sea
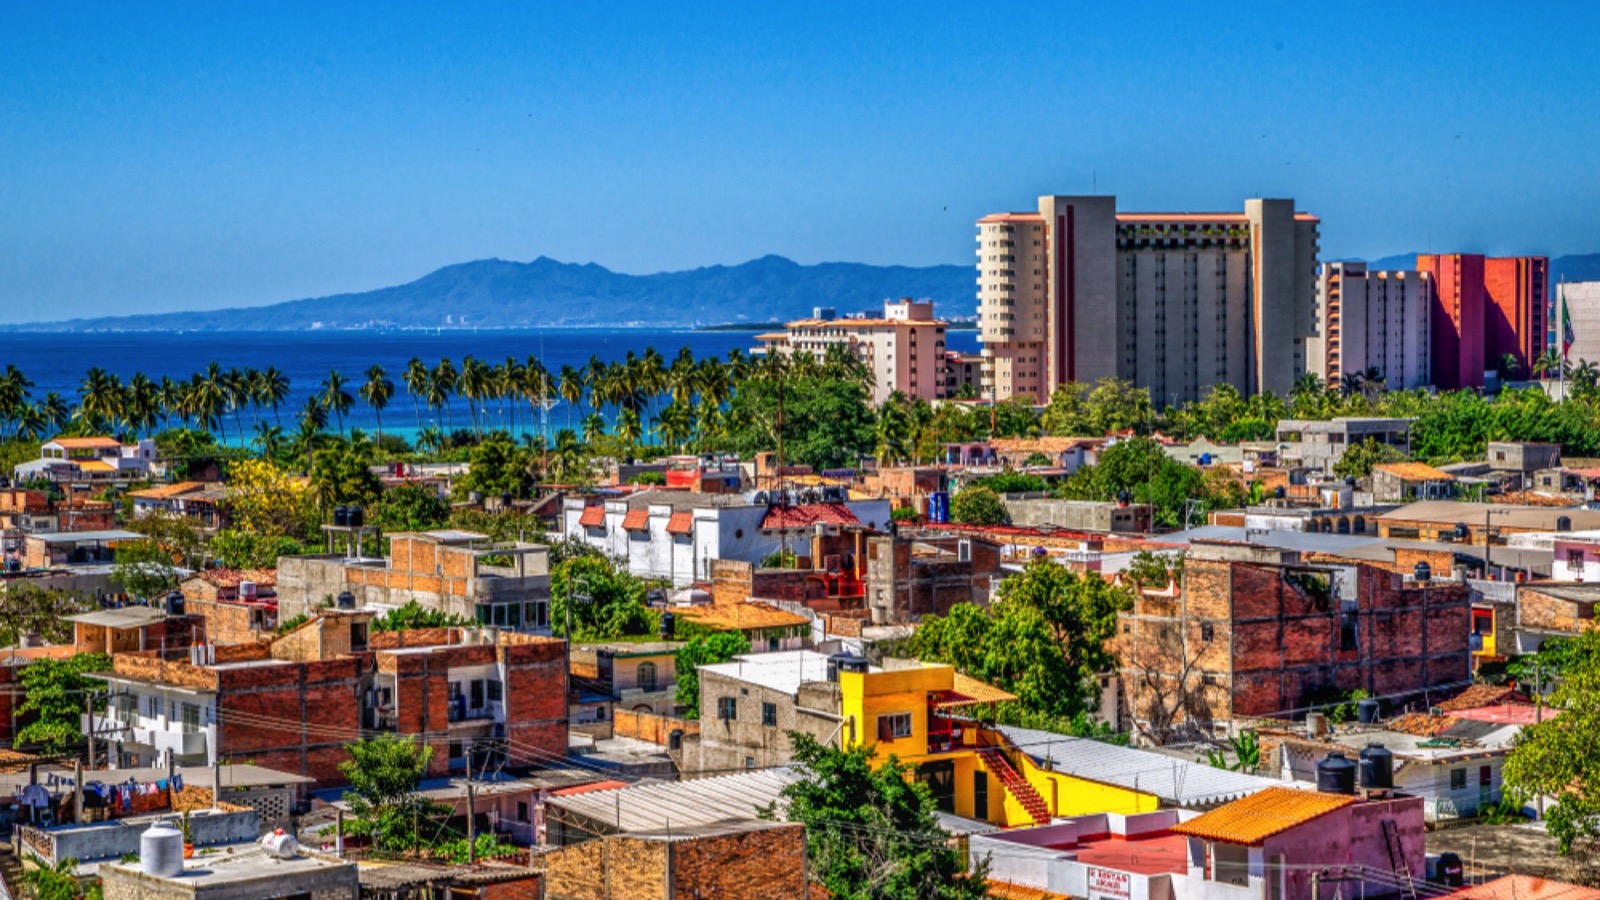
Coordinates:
(57,361)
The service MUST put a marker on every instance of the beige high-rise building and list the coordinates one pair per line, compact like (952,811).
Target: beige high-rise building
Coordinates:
(1174,302)
(1372,320)
(904,349)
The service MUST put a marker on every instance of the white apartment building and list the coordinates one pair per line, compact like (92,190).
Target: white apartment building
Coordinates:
(1581,301)
(904,349)
(677,535)
(1368,319)
(1174,302)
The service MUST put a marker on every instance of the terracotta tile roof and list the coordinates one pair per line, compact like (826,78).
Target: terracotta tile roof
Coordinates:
(594,516)
(1253,819)
(167,490)
(232,577)
(1422,724)
(806,516)
(636,520)
(1482,695)
(970,691)
(681,523)
(85,443)
(1525,887)
(1010,890)
(739,616)
(1046,445)
(1414,471)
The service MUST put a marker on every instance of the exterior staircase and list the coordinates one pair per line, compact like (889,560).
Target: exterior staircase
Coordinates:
(1015,784)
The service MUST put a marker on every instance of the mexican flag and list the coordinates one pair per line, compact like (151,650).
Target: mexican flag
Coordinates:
(1567,337)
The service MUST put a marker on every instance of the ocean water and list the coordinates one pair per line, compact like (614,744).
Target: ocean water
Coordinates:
(58,361)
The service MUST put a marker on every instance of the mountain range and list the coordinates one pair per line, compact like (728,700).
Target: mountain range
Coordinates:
(497,293)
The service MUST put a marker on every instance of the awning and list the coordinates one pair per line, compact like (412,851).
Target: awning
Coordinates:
(636,520)
(594,516)
(969,692)
(681,523)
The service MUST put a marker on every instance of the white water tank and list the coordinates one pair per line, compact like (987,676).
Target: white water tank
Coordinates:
(281,844)
(247,591)
(161,850)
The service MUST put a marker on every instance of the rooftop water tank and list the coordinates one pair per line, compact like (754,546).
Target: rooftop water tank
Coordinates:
(281,844)
(341,516)
(1377,768)
(668,626)
(1422,572)
(1367,711)
(161,850)
(345,600)
(1336,774)
(356,517)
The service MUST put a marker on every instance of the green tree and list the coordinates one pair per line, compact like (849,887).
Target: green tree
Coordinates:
(704,650)
(1011,482)
(144,570)
(30,609)
(414,615)
(1155,571)
(1358,461)
(498,467)
(410,507)
(59,881)
(607,602)
(872,832)
(52,694)
(237,549)
(978,505)
(1559,756)
(384,773)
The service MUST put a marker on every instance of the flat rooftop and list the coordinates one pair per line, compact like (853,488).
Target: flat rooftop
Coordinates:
(1153,854)
(245,862)
(783,671)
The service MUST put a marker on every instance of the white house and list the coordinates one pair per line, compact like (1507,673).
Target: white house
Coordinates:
(676,535)
(90,459)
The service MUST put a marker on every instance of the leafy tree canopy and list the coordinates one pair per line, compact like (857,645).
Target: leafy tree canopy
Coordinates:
(871,831)
(53,691)
(414,615)
(1559,757)
(607,602)
(704,650)
(978,505)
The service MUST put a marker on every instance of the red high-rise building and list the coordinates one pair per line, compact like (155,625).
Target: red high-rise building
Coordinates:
(1515,286)
(1458,340)
(1484,309)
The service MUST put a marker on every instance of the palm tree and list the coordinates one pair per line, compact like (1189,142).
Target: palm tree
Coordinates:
(335,398)
(99,395)
(567,463)
(675,423)
(893,429)
(441,382)
(269,438)
(13,395)
(570,386)
(1350,384)
(55,411)
(1547,363)
(430,439)
(271,390)
(415,378)
(377,391)
(313,418)
(629,427)
(210,397)
(594,425)
(142,402)
(236,393)
(472,384)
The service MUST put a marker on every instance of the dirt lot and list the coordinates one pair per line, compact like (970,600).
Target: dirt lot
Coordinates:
(1507,849)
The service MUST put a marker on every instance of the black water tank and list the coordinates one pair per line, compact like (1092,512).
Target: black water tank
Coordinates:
(1563,523)
(341,516)
(1377,768)
(1450,871)
(1367,711)
(1279,492)
(1422,572)
(668,626)
(345,600)
(1350,480)
(1336,774)
(854,664)
(505,500)
(1461,531)
(1124,498)
(174,604)
(356,517)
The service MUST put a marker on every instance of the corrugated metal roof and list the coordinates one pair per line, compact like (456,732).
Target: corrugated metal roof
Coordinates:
(1174,781)
(681,804)
(1262,815)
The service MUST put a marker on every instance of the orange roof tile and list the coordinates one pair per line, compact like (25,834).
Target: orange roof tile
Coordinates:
(1253,819)
(1525,887)
(94,465)
(739,616)
(594,516)
(636,520)
(85,443)
(1414,471)
(164,491)
(681,523)
(1010,890)
(232,577)
(1482,695)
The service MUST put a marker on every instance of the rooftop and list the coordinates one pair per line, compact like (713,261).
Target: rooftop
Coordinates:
(1474,514)
(1143,854)
(247,864)
(681,804)
(81,537)
(783,671)
(85,443)
(1525,887)
(808,515)
(1255,818)
(1414,471)
(739,616)
(1175,781)
(126,617)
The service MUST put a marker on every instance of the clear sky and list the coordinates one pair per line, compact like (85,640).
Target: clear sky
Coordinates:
(181,156)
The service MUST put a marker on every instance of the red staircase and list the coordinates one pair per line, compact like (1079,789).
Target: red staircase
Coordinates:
(1000,768)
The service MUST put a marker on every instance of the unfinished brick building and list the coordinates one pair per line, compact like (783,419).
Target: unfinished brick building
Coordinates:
(909,577)
(1254,631)
(294,703)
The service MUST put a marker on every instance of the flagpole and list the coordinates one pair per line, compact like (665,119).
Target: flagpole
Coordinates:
(1561,301)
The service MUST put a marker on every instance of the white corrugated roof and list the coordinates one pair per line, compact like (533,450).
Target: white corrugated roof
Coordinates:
(1174,781)
(681,804)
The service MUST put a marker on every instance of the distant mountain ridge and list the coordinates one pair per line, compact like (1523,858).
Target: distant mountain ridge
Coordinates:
(1573,267)
(496,293)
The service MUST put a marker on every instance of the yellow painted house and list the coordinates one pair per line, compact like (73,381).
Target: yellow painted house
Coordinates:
(919,713)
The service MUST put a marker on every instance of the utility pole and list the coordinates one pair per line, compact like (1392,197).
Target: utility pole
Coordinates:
(88,721)
(1538,713)
(472,849)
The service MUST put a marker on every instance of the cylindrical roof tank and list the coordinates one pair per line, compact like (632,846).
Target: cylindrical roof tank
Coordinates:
(161,850)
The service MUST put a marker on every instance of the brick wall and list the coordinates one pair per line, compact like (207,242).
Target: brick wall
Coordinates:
(760,864)
(1546,612)
(262,711)
(650,727)
(731,580)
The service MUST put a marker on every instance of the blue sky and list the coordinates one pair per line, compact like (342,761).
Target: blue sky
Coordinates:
(182,156)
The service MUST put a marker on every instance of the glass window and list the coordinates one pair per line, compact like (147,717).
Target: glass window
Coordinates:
(769,714)
(896,725)
(727,708)
(497,691)
(1458,779)
(647,676)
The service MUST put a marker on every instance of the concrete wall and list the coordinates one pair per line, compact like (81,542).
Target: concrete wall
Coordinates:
(109,840)
(731,744)
(330,882)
